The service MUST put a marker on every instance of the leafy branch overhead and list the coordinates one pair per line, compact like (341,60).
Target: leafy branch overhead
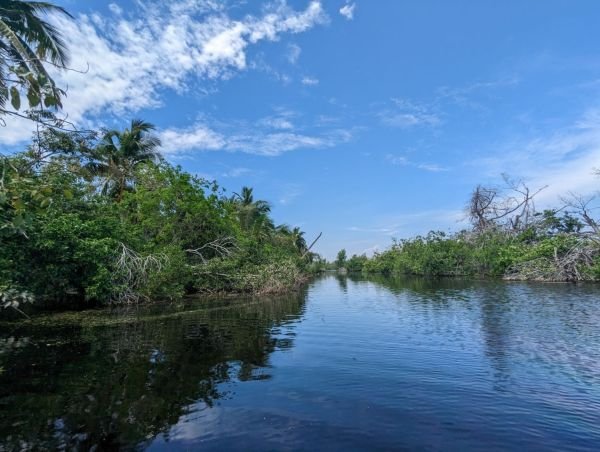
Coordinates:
(28,43)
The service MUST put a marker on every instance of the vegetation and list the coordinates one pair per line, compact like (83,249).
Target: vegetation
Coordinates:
(105,220)
(27,43)
(508,239)
(98,217)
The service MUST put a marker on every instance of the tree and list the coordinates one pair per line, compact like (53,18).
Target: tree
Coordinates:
(298,239)
(27,42)
(511,207)
(119,153)
(356,263)
(253,215)
(340,261)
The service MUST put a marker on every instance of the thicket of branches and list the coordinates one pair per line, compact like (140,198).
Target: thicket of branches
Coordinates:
(508,237)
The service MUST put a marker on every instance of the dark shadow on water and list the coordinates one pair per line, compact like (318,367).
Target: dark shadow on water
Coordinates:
(76,386)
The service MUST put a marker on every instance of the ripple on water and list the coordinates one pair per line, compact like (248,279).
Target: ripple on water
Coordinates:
(347,364)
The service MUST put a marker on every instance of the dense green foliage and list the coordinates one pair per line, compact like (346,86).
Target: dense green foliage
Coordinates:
(551,247)
(27,43)
(78,226)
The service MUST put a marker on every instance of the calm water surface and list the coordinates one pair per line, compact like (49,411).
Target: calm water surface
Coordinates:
(347,364)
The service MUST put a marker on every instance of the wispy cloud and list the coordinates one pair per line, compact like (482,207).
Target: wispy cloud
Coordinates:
(178,45)
(400,160)
(564,159)
(270,136)
(293,53)
(348,10)
(289,194)
(281,120)
(198,136)
(470,95)
(274,144)
(432,167)
(310,81)
(392,230)
(406,114)
(368,236)
(236,172)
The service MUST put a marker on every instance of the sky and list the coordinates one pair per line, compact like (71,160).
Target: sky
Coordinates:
(364,120)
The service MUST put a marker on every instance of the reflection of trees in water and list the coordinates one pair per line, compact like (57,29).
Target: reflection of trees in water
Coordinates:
(492,299)
(112,386)
(496,328)
(424,290)
(343,282)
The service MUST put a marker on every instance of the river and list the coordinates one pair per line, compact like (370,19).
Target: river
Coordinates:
(347,363)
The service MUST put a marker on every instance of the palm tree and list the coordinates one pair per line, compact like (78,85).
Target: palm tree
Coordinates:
(119,153)
(298,239)
(252,214)
(26,42)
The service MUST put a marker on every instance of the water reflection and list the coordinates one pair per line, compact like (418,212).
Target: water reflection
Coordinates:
(110,386)
(480,365)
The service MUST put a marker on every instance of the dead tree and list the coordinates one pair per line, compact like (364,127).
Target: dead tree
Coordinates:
(133,272)
(221,247)
(574,264)
(510,207)
(583,207)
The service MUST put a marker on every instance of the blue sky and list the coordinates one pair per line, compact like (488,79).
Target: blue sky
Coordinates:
(364,120)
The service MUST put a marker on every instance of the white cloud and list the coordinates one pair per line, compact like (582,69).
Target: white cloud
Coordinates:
(198,136)
(293,53)
(281,121)
(432,167)
(348,10)
(176,45)
(463,96)
(310,81)
(564,160)
(406,114)
(401,160)
(116,9)
(236,172)
(397,160)
(258,138)
(273,144)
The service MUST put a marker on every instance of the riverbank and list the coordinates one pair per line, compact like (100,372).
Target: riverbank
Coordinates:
(536,254)
(91,224)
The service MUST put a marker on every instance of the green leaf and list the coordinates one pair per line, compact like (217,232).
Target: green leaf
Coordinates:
(50,101)
(33,98)
(15,98)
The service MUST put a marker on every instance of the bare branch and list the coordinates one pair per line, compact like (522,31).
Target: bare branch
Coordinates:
(133,271)
(224,247)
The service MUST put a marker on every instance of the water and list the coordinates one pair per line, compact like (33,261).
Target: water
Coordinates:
(347,364)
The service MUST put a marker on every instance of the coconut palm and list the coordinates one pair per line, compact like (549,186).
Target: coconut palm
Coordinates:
(252,214)
(298,239)
(27,42)
(120,152)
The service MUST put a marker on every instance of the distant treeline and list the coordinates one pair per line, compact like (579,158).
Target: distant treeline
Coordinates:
(508,239)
